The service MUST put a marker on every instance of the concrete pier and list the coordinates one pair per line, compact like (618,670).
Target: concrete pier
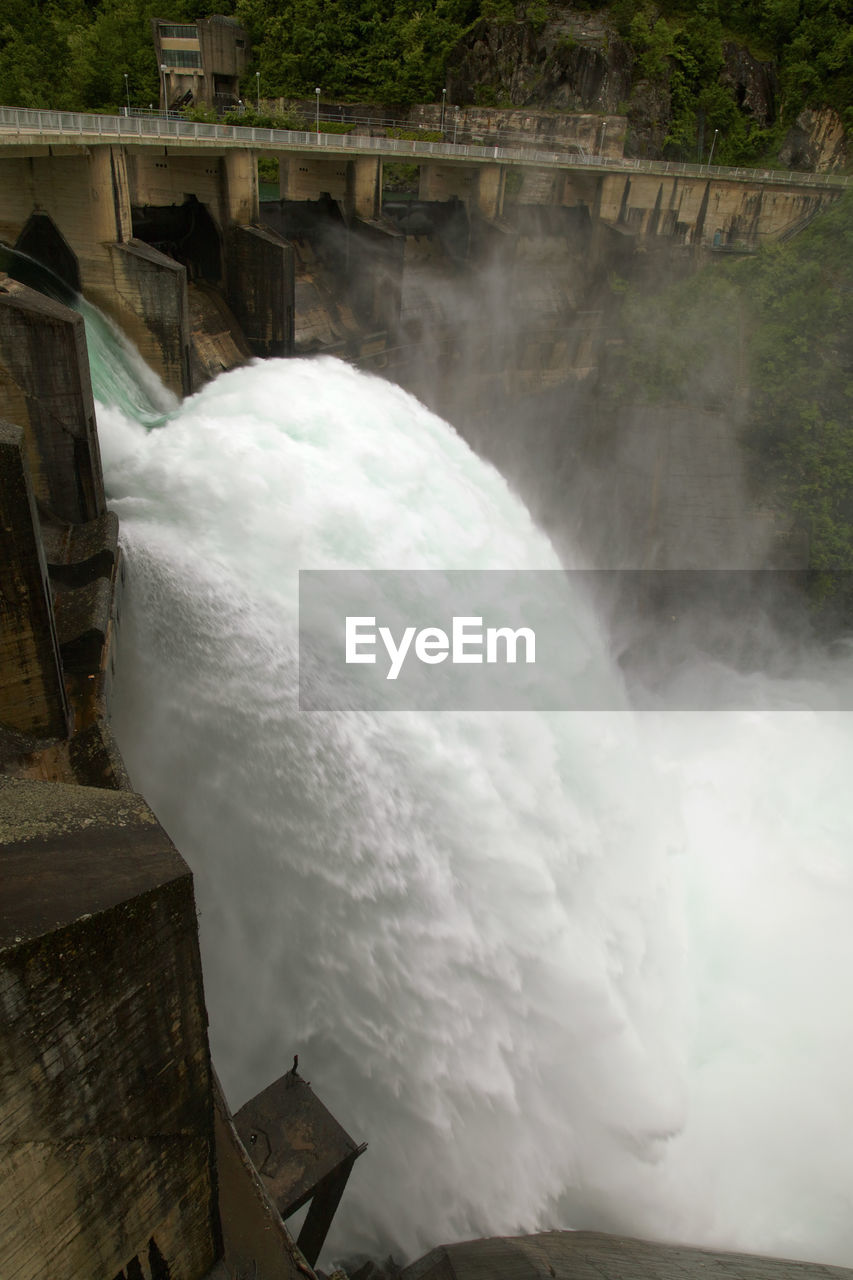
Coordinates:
(33,703)
(106,1117)
(45,387)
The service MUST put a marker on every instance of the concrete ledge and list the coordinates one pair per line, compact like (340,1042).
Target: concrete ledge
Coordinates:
(106,1116)
(591,1255)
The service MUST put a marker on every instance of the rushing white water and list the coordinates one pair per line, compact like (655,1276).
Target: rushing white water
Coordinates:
(558,970)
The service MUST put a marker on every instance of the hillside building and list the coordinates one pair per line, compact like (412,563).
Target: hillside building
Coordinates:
(203,61)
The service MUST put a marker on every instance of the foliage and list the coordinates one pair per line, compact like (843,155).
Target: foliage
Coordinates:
(75,54)
(252,119)
(388,50)
(415,135)
(400,177)
(201,115)
(779,322)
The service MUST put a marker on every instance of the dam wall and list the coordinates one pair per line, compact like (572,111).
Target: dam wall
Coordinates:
(106,1122)
(119,1157)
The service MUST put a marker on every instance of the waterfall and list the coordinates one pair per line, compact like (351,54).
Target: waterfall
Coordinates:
(559,970)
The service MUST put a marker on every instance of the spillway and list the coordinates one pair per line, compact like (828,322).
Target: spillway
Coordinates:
(559,969)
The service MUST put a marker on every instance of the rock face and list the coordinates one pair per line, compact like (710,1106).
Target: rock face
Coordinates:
(574,63)
(578,62)
(754,83)
(816,143)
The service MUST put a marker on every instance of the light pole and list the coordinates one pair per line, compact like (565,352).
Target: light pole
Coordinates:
(127,92)
(164,69)
(713,144)
(258,89)
(443,106)
(455,125)
(603,132)
(317,92)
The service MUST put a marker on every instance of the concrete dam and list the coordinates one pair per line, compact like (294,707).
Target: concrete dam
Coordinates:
(120,1154)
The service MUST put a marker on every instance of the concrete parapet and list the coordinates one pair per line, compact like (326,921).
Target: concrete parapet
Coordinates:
(32,694)
(106,1119)
(44,379)
(152,290)
(261,288)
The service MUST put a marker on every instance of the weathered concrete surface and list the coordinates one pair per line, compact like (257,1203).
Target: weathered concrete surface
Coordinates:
(45,386)
(84,193)
(303,177)
(106,1124)
(300,1151)
(589,1255)
(364,197)
(711,211)
(32,693)
(548,130)
(217,343)
(152,288)
(226,184)
(260,288)
(255,1239)
(480,187)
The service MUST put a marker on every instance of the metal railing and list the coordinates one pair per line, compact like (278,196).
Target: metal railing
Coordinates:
(24,122)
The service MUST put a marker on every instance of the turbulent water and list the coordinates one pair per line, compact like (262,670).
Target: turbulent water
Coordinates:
(557,970)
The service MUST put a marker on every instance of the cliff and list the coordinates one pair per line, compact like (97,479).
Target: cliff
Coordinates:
(686,84)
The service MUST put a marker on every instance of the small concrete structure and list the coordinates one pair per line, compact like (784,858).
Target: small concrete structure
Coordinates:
(589,1255)
(204,61)
(106,1117)
(301,1153)
(256,1241)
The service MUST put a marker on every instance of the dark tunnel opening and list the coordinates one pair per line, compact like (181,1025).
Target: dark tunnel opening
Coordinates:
(187,233)
(42,241)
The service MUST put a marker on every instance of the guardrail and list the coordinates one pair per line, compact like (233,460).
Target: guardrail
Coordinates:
(23,121)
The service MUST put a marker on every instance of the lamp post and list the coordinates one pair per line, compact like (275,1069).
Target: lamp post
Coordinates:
(258,90)
(164,69)
(443,106)
(455,125)
(603,132)
(127,92)
(317,92)
(713,144)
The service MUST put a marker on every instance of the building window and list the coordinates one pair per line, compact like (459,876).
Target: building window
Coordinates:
(178,32)
(182,57)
